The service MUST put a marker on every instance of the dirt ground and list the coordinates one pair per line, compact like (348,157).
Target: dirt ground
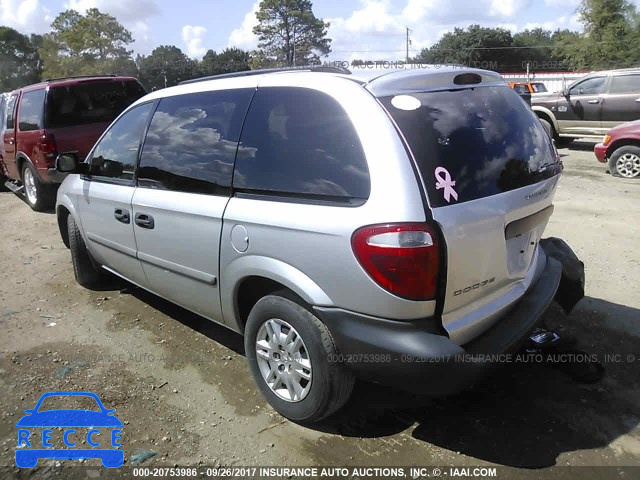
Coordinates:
(182,388)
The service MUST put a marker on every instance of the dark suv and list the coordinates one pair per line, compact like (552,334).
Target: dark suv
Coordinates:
(591,105)
(57,116)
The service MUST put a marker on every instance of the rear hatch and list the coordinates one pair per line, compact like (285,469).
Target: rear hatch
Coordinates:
(78,113)
(489,171)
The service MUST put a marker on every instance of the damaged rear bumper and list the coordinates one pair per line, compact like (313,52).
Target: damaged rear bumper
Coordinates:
(418,356)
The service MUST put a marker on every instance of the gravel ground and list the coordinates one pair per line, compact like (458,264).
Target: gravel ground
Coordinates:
(181,385)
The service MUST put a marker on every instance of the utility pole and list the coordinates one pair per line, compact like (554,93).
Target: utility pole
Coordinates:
(408,43)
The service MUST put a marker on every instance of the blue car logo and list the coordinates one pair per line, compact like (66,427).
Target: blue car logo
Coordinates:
(103,435)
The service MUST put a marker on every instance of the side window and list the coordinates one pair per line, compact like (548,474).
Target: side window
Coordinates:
(625,84)
(31,111)
(300,141)
(192,141)
(11,108)
(122,141)
(592,86)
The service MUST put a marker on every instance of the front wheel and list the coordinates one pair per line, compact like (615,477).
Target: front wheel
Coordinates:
(625,162)
(293,360)
(84,268)
(39,196)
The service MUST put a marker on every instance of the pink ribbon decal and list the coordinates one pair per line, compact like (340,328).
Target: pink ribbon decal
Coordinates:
(444,181)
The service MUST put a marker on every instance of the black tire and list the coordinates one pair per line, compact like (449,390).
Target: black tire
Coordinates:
(3,179)
(84,268)
(331,382)
(562,142)
(548,127)
(44,194)
(630,150)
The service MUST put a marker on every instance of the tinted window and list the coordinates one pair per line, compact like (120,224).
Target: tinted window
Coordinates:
(31,110)
(300,141)
(121,143)
(486,138)
(538,87)
(11,107)
(192,141)
(90,102)
(591,86)
(625,84)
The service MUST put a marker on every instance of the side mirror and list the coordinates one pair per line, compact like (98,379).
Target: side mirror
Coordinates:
(68,162)
(566,93)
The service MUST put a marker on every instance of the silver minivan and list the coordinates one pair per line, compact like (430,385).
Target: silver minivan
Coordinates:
(383,226)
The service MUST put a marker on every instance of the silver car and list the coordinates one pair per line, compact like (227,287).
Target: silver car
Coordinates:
(384,226)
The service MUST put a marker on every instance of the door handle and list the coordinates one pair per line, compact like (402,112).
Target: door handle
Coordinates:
(122,215)
(593,102)
(145,221)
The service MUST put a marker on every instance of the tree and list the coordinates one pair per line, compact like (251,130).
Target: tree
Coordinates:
(166,66)
(89,44)
(20,64)
(476,47)
(611,36)
(290,34)
(228,61)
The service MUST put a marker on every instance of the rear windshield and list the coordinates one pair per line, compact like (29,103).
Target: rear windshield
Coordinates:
(485,139)
(90,102)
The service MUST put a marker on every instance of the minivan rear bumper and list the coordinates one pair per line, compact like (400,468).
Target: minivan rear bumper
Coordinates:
(419,357)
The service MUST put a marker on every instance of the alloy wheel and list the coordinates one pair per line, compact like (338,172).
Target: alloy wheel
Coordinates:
(283,360)
(628,165)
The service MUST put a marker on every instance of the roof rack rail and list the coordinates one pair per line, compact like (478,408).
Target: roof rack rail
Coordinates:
(247,73)
(79,76)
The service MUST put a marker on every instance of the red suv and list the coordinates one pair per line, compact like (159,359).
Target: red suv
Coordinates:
(57,116)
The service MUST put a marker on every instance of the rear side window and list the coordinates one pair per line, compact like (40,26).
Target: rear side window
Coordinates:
(625,84)
(484,139)
(11,108)
(90,102)
(31,111)
(298,141)
(192,142)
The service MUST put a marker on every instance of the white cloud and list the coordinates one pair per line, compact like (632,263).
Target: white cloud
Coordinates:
(26,16)
(126,11)
(243,36)
(193,38)
(562,3)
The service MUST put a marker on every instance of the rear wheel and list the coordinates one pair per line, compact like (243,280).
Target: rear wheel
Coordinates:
(291,356)
(562,142)
(625,162)
(84,269)
(39,196)
(548,127)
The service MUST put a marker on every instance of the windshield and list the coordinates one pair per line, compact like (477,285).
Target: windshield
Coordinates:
(486,139)
(69,402)
(90,102)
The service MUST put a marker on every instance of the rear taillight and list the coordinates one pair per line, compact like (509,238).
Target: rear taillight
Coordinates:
(401,258)
(48,146)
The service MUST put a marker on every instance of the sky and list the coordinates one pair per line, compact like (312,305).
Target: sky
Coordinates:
(369,29)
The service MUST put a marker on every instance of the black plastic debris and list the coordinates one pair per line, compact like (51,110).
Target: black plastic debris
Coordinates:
(67,369)
(571,289)
(141,456)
